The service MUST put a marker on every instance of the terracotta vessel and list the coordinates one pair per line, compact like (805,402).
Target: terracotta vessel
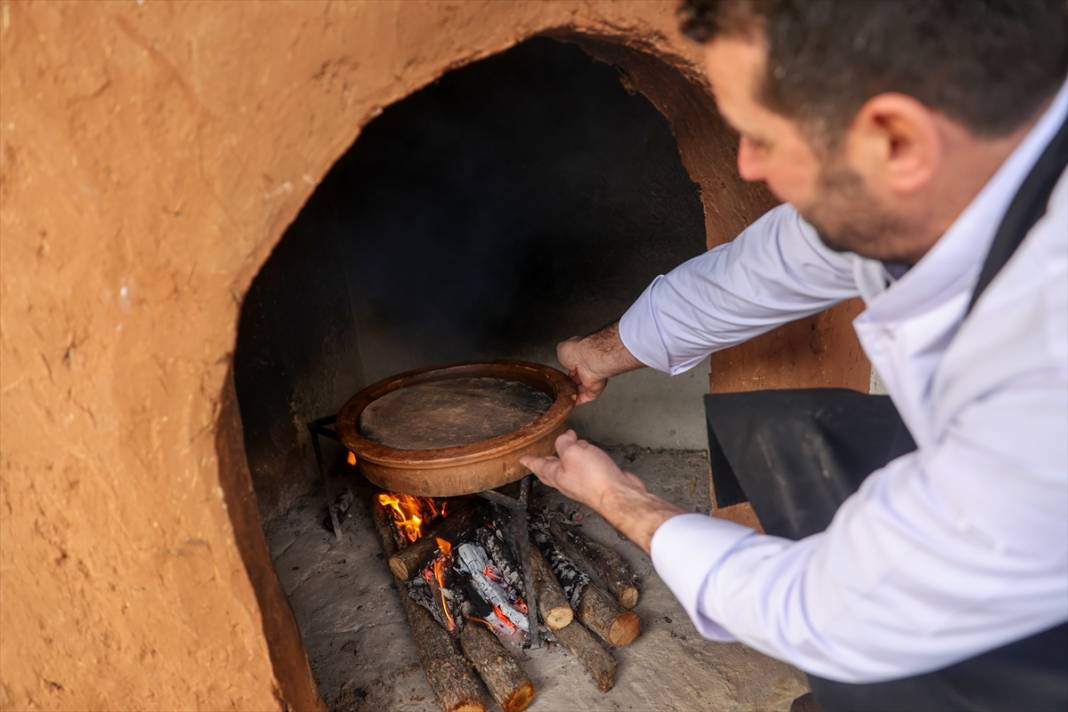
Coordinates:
(462,469)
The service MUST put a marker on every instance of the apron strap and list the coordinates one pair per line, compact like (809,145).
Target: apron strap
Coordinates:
(1027,208)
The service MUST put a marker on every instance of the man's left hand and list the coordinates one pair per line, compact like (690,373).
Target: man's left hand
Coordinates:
(586,473)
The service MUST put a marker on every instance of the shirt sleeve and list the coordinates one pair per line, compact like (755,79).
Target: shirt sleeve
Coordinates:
(775,271)
(941,555)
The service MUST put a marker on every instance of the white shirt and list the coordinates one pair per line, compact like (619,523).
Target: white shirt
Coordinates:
(949,551)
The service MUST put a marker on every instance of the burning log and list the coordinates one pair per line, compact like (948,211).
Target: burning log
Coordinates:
(431,589)
(572,580)
(447,671)
(506,681)
(409,561)
(605,564)
(552,603)
(598,662)
(472,560)
(492,540)
(600,612)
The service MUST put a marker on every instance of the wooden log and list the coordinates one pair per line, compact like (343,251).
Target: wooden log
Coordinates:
(506,681)
(572,579)
(492,540)
(448,672)
(473,560)
(603,563)
(552,603)
(602,614)
(598,662)
(410,560)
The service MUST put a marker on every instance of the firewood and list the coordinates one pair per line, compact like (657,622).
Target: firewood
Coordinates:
(572,580)
(473,561)
(448,672)
(410,560)
(552,603)
(600,612)
(506,681)
(492,540)
(600,561)
(598,662)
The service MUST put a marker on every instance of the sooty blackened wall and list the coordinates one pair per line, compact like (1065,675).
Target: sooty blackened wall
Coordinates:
(513,203)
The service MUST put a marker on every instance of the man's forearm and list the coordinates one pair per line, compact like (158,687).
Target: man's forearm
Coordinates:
(606,354)
(635,512)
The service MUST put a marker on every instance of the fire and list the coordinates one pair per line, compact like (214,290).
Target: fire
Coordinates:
(504,619)
(409,513)
(441,562)
(351,458)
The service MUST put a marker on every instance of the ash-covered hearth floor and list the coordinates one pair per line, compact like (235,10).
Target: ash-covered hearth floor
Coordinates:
(363,658)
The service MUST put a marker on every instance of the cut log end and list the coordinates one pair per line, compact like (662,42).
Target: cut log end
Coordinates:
(624,629)
(399,569)
(602,614)
(557,618)
(520,699)
(502,674)
(628,597)
(468,707)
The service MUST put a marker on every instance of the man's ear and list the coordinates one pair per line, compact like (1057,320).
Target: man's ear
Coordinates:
(895,141)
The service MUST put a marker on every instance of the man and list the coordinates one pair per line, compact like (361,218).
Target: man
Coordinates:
(912,562)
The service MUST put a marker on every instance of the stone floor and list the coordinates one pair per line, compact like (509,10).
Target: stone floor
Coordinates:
(363,658)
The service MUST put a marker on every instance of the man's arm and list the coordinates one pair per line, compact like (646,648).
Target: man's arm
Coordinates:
(593,359)
(774,272)
(587,474)
(931,562)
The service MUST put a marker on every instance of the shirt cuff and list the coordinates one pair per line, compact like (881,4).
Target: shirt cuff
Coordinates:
(686,550)
(640,333)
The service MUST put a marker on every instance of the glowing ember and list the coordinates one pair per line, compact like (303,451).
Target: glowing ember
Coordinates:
(351,458)
(441,562)
(504,619)
(409,513)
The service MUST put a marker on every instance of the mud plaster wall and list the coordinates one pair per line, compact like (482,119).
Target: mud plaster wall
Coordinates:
(152,155)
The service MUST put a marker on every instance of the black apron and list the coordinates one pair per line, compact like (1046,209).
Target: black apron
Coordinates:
(796,455)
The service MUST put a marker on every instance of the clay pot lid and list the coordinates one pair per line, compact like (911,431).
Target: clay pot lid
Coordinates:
(545,379)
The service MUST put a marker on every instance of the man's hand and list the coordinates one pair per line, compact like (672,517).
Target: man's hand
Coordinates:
(582,471)
(572,356)
(594,359)
(588,475)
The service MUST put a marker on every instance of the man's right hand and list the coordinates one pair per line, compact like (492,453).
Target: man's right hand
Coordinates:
(592,360)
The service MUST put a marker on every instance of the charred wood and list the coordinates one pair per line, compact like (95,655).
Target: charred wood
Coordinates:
(409,561)
(472,560)
(604,564)
(552,603)
(492,540)
(572,579)
(448,672)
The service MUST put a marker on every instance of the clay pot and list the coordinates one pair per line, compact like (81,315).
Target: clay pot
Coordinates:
(462,469)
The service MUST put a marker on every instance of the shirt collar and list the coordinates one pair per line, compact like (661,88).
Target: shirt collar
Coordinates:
(952,265)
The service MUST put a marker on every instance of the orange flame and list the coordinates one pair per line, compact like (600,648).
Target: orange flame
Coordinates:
(409,513)
(440,564)
(351,458)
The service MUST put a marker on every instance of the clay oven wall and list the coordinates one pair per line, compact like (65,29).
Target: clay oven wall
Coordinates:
(152,155)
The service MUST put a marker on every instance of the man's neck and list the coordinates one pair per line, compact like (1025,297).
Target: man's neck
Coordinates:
(972,162)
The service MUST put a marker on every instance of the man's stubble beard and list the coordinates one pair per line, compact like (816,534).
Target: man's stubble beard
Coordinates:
(848,219)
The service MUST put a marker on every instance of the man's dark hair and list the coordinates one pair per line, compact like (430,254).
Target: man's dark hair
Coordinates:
(988,64)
